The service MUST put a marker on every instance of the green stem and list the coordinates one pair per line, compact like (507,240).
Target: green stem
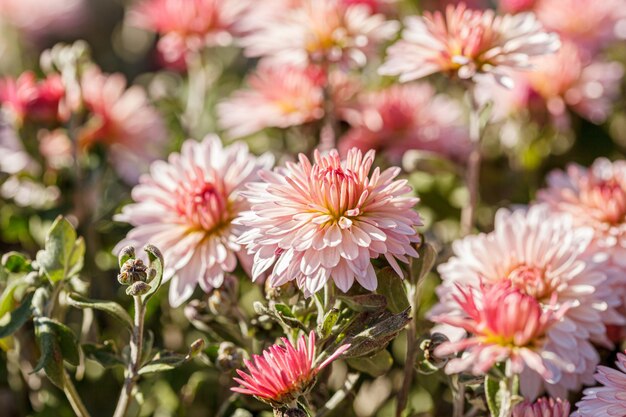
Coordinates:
(72,396)
(472,178)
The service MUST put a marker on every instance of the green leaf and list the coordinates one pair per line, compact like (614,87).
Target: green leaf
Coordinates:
(371,332)
(365,302)
(17,317)
(392,287)
(16,262)
(64,253)
(51,360)
(110,307)
(166,363)
(424,264)
(156,263)
(7,300)
(66,339)
(492,392)
(375,365)
(105,354)
(329,322)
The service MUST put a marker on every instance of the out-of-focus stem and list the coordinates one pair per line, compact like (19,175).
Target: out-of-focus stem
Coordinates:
(330,128)
(472,176)
(339,396)
(72,396)
(132,372)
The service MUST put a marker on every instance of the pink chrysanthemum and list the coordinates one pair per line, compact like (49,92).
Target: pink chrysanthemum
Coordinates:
(278,96)
(516,6)
(37,18)
(543,407)
(282,373)
(327,220)
(467,43)
(548,258)
(186,206)
(123,120)
(504,325)
(27,98)
(590,24)
(320,31)
(188,25)
(607,400)
(405,117)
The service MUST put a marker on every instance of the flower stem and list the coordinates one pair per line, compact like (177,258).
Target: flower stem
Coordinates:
(72,396)
(472,177)
(132,372)
(339,396)
(411,349)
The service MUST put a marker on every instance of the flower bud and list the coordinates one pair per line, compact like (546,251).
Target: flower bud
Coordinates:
(429,362)
(133,270)
(138,288)
(229,356)
(128,252)
(290,412)
(196,347)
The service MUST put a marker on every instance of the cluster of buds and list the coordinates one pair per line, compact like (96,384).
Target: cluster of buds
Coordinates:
(134,273)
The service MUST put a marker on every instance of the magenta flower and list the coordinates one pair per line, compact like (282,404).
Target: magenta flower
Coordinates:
(282,373)
(278,96)
(504,324)
(608,399)
(467,43)
(327,220)
(522,250)
(543,407)
(186,207)
(27,98)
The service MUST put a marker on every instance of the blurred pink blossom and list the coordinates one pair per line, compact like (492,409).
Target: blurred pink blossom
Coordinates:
(28,98)
(37,18)
(185,207)
(327,220)
(321,32)
(283,373)
(404,117)
(505,325)
(546,257)
(278,96)
(543,407)
(468,44)
(516,6)
(608,399)
(123,120)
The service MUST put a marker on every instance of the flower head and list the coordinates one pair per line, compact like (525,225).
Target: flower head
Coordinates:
(405,117)
(278,96)
(467,43)
(27,98)
(186,207)
(282,373)
(504,324)
(38,19)
(547,258)
(320,31)
(543,407)
(123,120)
(328,219)
(606,400)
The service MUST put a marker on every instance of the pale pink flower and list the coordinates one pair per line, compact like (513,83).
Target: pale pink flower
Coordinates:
(543,407)
(283,373)
(608,399)
(468,44)
(14,158)
(188,25)
(186,206)
(548,258)
(123,120)
(320,31)
(504,325)
(27,98)
(37,18)
(277,96)
(404,117)
(589,23)
(327,220)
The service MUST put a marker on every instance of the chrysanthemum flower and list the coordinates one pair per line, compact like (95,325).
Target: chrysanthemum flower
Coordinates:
(188,25)
(543,407)
(278,96)
(327,220)
(283,373)
(405,117)
(467,43)
(27,98)
(504,324)
(186,206)
(516,6)
(320,31)
(37,19)
(608,399)
(546,257)
(123,120)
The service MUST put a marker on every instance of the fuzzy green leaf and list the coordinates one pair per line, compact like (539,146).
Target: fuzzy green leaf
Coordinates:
(392,287)
(17,317)
(64,253)
(375,365)
(110,307)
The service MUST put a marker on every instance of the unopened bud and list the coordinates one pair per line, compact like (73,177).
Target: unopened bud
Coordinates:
(133,270)
(290,412)
(138,288)
(196,347)
(128,252)
(229,356)
(429,362)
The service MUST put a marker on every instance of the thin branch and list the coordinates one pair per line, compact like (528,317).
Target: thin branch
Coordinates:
(72,396)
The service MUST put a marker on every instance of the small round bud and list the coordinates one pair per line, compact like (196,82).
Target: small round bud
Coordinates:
(429,362)
(138,288)
(196,347)
(229,356)
(128,252)
(132,271)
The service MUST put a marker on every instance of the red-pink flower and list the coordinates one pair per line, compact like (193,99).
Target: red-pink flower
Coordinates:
(516,6)
(282,373)
(188,25)
(608,399)
(326,220)
(468,44)
(543,407)
(278,96)
(186,207)
(123,120)
(404,117)
(504,324)
(27,98)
